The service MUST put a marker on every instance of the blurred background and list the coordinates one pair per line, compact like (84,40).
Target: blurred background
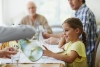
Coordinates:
(56,11)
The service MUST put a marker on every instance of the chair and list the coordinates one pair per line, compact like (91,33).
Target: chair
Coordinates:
(56,29)
(97,57)
(4,45)
(7,44)
(97,53)
(98,40)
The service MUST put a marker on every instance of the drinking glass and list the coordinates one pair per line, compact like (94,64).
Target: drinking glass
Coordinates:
(15,58)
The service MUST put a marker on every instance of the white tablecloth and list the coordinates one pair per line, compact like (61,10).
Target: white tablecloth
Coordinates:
(44,59)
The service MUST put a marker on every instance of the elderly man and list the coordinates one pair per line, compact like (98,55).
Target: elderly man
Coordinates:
(89,23)
(33,17)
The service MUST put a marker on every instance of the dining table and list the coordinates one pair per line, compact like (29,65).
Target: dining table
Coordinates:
(44,61)
(36,65)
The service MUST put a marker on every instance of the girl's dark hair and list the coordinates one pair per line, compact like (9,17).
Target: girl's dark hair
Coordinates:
(76,23)
(83,1)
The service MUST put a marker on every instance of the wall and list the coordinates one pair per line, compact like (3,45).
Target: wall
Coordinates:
(0,12)
(9,11)
(9,15)
(95,7)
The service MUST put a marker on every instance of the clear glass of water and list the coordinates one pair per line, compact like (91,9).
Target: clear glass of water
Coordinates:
(15,58)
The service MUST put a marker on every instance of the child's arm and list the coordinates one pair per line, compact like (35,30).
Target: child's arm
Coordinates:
(62,41)
(66,58)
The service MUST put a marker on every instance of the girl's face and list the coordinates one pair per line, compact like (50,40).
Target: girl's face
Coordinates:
(70,33)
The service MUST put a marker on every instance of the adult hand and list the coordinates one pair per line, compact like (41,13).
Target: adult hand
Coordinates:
(45,35)
(52,40)
(7,52)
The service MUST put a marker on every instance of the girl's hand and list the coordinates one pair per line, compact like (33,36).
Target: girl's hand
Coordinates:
(47,52)
(62,42)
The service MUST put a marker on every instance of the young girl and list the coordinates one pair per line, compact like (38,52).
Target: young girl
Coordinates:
(75,55)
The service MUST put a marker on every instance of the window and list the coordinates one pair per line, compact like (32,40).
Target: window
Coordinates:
(0,12)
(56,11)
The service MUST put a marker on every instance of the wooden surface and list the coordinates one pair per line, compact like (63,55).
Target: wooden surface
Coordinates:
(36,65)
(97,52)
(97,57)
